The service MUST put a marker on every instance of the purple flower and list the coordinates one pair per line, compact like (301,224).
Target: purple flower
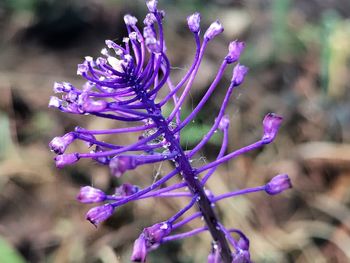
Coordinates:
(271,123)
(238,75)
(278,184)
(66,159)
(214,29)
(193,22)
(139,252)
(124,85)
(154,234)
(60,144)
(98,214)
(90,194)
(234,51)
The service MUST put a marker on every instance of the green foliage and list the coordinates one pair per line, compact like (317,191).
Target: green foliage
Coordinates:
(8,254)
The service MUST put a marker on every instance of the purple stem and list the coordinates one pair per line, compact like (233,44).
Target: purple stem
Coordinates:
(184,235)
(182,211)
(207,137)
(188,74)
(146,190)
(190,81)
(186,220)
(221,154)
(205,97)
(121,150)
(240,192)
(230,156)
(115,131)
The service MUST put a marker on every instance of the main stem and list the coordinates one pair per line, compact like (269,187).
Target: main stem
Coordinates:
(189,175)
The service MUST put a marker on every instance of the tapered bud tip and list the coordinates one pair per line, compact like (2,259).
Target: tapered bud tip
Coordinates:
(139,252)
(278,184)
(224,122)
(235,50)
(239,72)
(54,102)
(130,20)
(120,164)
(99,214)
(60,144)
(214,29)
(66,159)
(193,22)
(152,5)
(154,234)
(82,68)
(271,124)
(90,194)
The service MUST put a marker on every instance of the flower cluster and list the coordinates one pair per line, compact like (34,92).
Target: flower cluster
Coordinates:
(123,85)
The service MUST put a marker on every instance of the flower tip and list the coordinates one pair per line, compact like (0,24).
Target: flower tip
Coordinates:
(54,102)
(139,252)
(235,50)
(239,72)
(278,184)
(157,232)
(271,124)
(66,159)
(193,22)
(152,5)
(214,29)
(130,20)
(98,214)
(88,194)
(59,144)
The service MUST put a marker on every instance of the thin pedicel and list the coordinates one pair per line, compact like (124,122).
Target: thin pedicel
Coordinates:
(123,85)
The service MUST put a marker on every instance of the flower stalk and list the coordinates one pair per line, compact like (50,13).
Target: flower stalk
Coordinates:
(123,85)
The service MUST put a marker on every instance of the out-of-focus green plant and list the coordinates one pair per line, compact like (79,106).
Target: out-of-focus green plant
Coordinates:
(8,254)
(335,39)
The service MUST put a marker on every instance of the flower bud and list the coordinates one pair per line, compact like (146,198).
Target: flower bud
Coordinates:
(234,51)
(120,164)
(150,19)
(152,5)
(139,251)
(99,214)
(82,68)
(60,144)
(193,22)
(214,29)
(130,20)
(66,159)
(239,72)
(278,184)
(154,234)
(54,102)
(271,124)
(90,194)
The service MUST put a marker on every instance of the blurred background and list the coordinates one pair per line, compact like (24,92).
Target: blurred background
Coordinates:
(298,53)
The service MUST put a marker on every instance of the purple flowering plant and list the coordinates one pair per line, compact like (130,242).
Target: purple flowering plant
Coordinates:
(123,85)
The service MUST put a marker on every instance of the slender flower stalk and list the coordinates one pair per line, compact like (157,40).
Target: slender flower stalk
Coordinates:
(123,85)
